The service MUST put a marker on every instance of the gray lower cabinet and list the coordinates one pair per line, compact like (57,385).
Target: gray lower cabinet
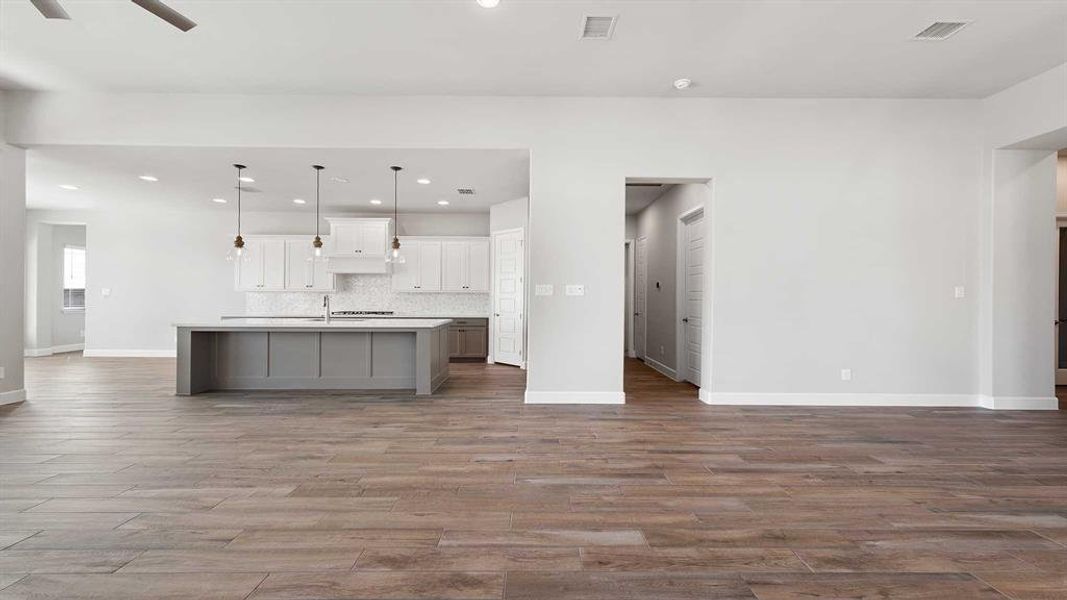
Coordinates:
(468,338)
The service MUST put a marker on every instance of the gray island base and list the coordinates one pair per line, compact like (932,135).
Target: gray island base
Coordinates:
(287,354)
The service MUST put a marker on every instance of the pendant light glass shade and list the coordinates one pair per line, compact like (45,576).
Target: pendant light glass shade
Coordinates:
(394,255)
(237,251)
(317,254)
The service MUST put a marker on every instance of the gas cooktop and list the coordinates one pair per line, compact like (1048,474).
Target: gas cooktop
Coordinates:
(361,313)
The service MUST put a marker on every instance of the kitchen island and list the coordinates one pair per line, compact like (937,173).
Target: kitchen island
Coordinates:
(312,354)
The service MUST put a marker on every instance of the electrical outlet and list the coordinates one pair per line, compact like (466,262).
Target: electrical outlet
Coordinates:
(960,292)
(846,374)
(105,292)
(543,289)
(575,290)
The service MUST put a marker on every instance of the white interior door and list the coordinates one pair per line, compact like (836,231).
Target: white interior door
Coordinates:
(640,296)
(508,296)
(694,296)
(1061,308)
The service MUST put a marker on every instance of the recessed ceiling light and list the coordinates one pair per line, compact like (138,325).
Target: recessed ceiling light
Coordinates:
(443,202)
(299,201)
(148,178)
(375,201)
(67,186)
(682,84)
(422,181)
(488,3)
(219,200)
(246,179)
(339,179)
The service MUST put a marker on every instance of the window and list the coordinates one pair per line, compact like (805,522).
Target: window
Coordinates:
(73,278)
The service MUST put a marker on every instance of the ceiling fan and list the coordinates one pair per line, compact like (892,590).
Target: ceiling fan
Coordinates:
(51,9)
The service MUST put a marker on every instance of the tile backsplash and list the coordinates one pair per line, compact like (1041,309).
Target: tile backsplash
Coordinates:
(368,292)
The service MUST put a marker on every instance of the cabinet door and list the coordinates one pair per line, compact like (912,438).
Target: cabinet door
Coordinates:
(475,342)
(250,267)
(300,272)
(274,264)
(454,266)
(429,266)
(455,342)
(321,280)
(406,274)
(347,238)
(373,238)
(478,266)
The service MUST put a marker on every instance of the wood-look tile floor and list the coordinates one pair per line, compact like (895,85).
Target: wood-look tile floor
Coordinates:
(113,488)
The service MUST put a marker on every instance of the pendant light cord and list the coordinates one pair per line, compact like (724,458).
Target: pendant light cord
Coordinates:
(239,200)
(396,223)
(317,173)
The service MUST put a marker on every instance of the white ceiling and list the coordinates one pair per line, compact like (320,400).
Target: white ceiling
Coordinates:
(191,177)
(747,48)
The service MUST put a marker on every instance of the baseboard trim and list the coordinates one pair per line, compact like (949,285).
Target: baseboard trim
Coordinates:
(533,397)
(900,400)
(1019,402)
(13,397)
(37,352)
(122,353)
(662,368)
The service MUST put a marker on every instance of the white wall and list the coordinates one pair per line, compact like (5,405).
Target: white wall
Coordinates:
(509,215)
(12,269)
(1061,186)
(840,227)
(658,222)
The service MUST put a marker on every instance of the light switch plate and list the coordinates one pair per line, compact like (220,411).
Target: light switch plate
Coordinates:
(846,374)
(105,291)
(960,291)
(575,290)
(543,289)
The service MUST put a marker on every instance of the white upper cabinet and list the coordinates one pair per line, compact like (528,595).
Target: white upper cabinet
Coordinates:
(361,238)
(421,269)
(303,272)
(443,264)
(281,263)
(478,266)
(262,265)
(359,245)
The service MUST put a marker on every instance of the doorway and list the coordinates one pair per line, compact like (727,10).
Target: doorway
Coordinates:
(666,247)
(509,292)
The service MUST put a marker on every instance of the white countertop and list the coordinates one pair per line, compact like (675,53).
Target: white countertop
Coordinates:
(396,316)
(315,324)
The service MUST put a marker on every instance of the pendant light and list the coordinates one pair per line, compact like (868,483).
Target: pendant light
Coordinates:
(316,244)
(238,249)
(395,256)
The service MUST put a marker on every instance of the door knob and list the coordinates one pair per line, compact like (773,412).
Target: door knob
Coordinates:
(685,319)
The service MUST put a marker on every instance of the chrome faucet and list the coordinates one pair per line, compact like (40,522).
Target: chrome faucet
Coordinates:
(326,308)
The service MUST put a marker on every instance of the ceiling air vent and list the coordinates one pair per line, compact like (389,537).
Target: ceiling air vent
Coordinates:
(942,30)
(598,28)
(465,191)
